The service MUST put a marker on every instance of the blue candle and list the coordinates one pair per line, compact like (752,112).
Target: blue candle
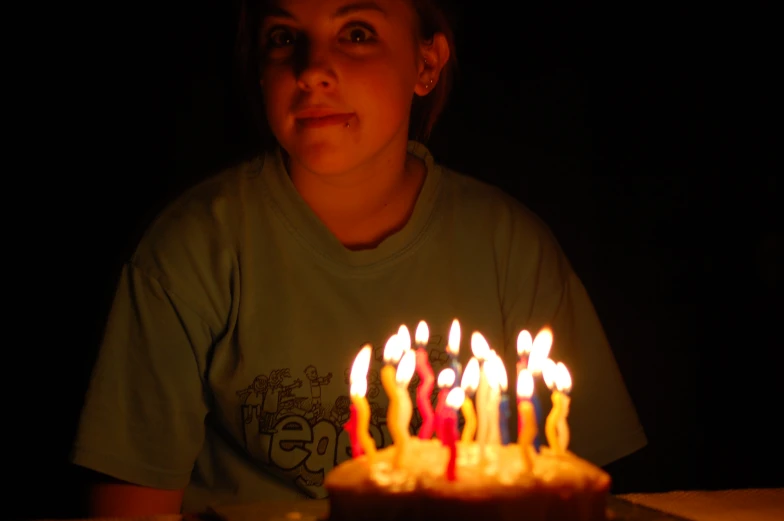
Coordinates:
(457,367)
(539,419)
(504,419)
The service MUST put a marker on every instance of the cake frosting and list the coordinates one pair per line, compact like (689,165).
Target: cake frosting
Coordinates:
(493,482)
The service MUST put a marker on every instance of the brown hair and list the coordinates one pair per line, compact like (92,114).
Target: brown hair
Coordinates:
(425,110)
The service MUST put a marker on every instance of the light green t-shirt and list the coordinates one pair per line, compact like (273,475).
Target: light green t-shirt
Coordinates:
(224,367)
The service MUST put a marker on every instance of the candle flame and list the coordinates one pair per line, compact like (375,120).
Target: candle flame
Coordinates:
(455,398)
(361,364)
(404,337)
(563,380)
(549,370)
(524,343)
(453,347)
(446,378)
(540,350)
(471,376)
(503,378)
(479,346)
(494,370)
(405,369)
(525,384)
(422,334)
(358,388)
(392,350)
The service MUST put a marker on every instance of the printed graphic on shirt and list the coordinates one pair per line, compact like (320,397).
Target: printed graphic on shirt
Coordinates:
(291,427)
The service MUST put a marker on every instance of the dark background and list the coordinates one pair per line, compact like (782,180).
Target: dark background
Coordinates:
(639,136)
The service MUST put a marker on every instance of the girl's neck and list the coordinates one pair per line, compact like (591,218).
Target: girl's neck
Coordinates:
(364,206)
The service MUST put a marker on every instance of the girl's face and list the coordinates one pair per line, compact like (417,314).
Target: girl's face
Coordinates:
(339,77)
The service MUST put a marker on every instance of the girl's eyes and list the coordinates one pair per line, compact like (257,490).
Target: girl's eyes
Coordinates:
(354,33)
(279,37)
(358,33)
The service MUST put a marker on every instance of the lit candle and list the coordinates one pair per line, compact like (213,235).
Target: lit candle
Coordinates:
(446,378)
(503,408)
(392,354)
(453,350)
(360,409)
(526,419)
(481,351)
(454,401)
(524,345)
(426,381)
(540,350)
(558,379)
(405,370)
(469,384)
(351,427)
(494,369)
(404,400)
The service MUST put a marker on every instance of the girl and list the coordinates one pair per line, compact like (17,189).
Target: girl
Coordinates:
(221,375)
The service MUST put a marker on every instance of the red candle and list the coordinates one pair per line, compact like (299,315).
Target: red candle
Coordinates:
(426,381)
(351,426)
(450,438)
(454,401)
(446,378)
(439,414)
(425,389)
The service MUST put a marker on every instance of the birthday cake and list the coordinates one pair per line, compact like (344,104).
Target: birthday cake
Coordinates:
(495,487)
(478,474)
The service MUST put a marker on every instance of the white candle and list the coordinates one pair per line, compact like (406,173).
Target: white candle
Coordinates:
(496,375)
(405,370)
(481,350)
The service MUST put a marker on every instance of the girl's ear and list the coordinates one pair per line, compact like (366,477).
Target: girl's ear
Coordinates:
(434,55)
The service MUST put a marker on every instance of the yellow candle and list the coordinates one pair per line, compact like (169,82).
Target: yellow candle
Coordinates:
(528,432)
(390,387)
(551,424)
(392,353)
(527,416)
(469,427)
(405,371)
(469,383)
(563,425)
(357,391)
(563,382)
(363,423)
(558,379)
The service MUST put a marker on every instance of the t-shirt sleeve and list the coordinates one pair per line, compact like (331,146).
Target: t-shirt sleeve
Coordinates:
(541,289)
(143,416)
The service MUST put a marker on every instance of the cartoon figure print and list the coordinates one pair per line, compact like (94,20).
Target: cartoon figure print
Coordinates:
(316,381)
(262,399)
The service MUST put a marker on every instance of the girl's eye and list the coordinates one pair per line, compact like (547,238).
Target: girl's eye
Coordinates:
(280,37)
(358,33)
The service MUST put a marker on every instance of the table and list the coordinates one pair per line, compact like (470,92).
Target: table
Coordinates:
(723,505)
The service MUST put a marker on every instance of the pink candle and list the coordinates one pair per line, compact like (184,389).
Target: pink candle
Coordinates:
(426,381)
(351,426)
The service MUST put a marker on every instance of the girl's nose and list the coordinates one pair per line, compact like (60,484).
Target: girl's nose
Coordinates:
(314,68)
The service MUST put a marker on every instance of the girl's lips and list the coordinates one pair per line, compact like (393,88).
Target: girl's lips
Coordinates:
(323,121)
